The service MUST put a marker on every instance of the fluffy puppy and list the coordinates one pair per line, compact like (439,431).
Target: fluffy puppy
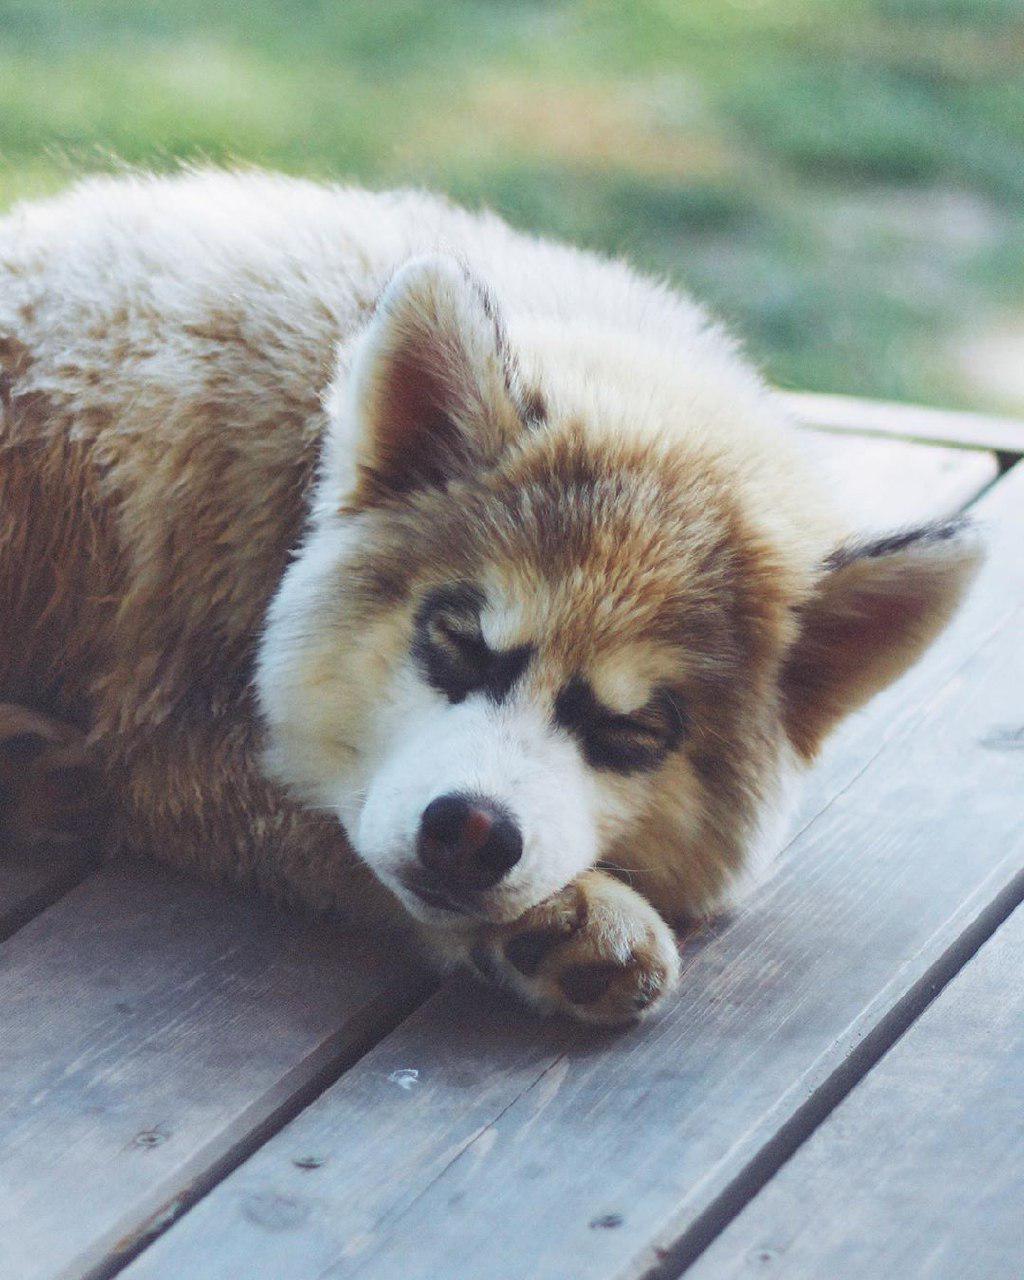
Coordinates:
(349,522)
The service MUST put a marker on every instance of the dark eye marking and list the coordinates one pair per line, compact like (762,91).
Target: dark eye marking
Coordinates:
(452,653)
(620,743)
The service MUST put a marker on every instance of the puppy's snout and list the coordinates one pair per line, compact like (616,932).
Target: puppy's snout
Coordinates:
(468,843)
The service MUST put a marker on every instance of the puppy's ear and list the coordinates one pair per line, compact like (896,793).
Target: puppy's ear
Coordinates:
(876,609)
(431,385)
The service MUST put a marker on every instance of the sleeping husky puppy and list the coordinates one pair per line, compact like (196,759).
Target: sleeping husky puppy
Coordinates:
(339,521)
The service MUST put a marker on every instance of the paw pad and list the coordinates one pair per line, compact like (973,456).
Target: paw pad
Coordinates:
(587,983)
(597,951)
(526,951)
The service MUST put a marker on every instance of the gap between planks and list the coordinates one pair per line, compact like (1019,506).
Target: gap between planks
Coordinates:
(676,1259)
(156,1029)
(922,1165)
(848,414)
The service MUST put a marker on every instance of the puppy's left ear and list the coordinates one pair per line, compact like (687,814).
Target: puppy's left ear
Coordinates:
(432,387)
(876,609)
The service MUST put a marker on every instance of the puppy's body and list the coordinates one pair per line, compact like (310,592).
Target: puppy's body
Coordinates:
(191,366)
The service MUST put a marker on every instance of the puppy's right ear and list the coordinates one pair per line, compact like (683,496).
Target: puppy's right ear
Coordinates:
(432,384)
(877,607)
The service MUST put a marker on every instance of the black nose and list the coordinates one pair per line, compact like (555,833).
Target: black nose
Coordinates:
(467,842)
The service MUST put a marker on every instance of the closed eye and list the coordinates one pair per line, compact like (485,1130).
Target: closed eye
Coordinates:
(451,652)
(620,743)
(462,632)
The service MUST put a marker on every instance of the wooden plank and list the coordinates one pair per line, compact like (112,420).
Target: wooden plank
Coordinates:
(31,879)
(472,1142)
(908,422)
(920,1172)
(152,1029)
(888,484)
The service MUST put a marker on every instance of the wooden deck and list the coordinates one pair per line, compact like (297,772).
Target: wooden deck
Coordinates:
(195,1085)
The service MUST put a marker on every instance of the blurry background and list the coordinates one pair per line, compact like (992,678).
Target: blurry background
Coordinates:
(841,179)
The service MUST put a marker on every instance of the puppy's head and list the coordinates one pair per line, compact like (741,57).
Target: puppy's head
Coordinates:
(518,642)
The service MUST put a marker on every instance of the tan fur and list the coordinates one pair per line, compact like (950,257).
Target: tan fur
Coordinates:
(192,366)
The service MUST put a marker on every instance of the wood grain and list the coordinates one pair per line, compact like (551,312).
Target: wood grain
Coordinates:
(920,1172)
(472,1144)
(153,1029)
(907,421)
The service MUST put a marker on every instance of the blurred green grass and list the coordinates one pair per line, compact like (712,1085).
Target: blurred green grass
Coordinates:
(843,180)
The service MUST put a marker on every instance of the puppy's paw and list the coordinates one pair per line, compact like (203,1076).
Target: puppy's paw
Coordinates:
(596,951)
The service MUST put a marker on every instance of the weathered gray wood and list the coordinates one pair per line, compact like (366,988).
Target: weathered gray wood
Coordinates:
(151,1028)
(471,1143)
(920,1172)
(907,421)
(889,484)
(30,879)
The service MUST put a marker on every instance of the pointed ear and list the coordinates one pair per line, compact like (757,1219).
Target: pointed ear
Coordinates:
(876,609)
(432,384)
